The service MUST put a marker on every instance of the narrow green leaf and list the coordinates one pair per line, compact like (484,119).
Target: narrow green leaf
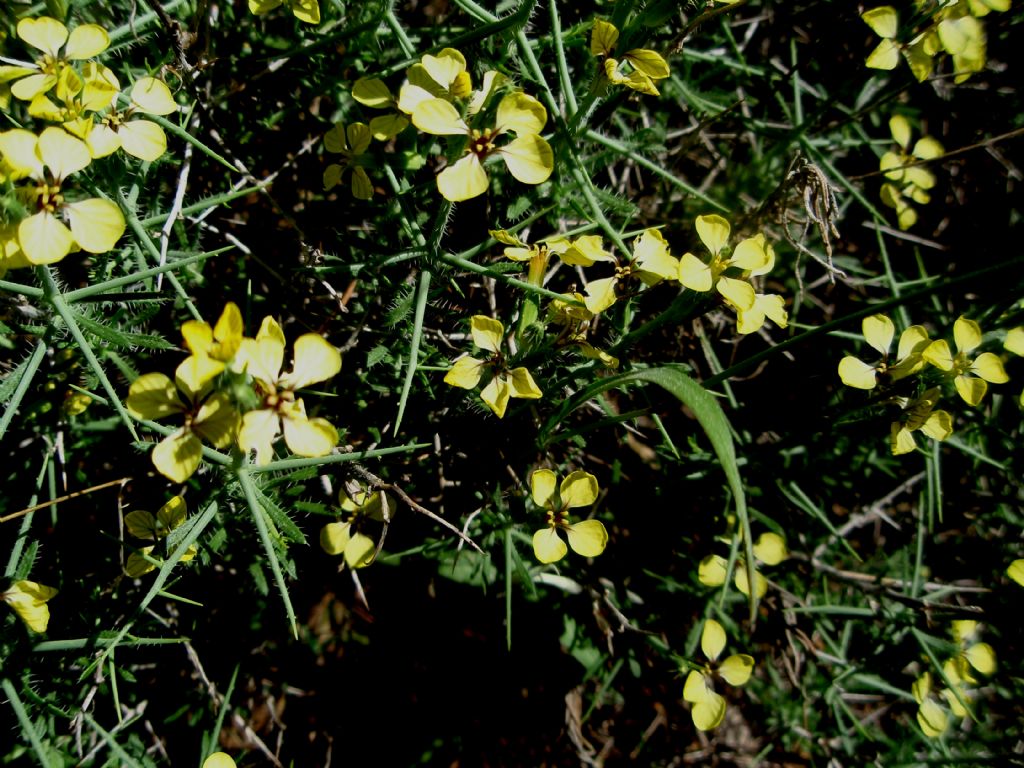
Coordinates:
(119,338)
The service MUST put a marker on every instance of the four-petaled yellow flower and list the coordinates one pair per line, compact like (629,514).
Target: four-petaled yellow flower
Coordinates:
(303,10)
(143,525)
(646,65)
(28,599)
(919,414)
(699,689)
(315,361)
(971,377)
(652,262)
(373,92)
(59,48)
(528,157)
(878,332)
(467,371)
(345,538)
(579,489)
(218,344)
(138,137)
(435,77)
(769,549)
(884,22)
(208,415)
(752,256)
(350,143)
(48,159)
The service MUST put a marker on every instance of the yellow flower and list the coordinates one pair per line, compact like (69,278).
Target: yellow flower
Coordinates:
(884,21)
(373,92)
(645,66)
(528,157)
(931,716)
(579,489)
(350,143)
(143,525)
(345,538)
(699,689)
(575,321)
(49,37)
(971,377)
(219,343)
(769,549)
(435,77)
(28,599)
(976,656)
(878,332)
(303,10)
(140,138)
(963,37)
(919,414)
(652,262)
(467,371)
(95,90)
(907,183)
(48,159)
(315,361)
(207,416)
(752,256)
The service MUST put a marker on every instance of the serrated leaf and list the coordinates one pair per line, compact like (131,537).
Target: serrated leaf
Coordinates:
(400,308)
(259,579)
(118,338)
(377,355)
(10,382)
(289,530)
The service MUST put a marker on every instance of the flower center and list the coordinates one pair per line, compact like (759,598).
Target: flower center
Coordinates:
(481,143)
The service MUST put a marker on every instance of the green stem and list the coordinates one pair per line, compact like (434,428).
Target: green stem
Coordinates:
(205,204)
(472,266)
(117,282)
(25,290)
(23,383)
(334,458)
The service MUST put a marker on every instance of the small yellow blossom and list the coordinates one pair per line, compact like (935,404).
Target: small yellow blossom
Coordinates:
(528,157)
(28,599)
(307,11)
(931,716)
(143,525)
(350,143)
(645,66)
(48,159)
(919,414)
(138,137)
(345,537)
(708,705)
(467,371)
(435,77)
(219,343)
(971,377)
(906,181)
(769,549)
(878,331)
(752,257)
(579,489)
(652,262)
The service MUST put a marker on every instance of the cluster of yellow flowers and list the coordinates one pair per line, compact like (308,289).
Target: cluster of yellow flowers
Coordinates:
(82,98)
(769,549)
(204,394)
(906,180)
(438,97)
(970,374)
(950,27)
(958,673)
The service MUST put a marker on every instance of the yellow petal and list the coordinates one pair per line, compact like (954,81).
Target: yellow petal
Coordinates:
(217,420)
(171,515)
(332,176)
(27,88)
(307,11)
(140,563)
(913,342)
(176,457)
(938,425)
(922,687)
(966,334)
(774,308)
(878,332)
(932,718)
(981,657)
(708,713)
(938,354)
(86,41)
(739,293)
(900,130)
(44,239)
(96,224)
(372,92)
(258,430)
(194,373)
(600,294)
(102,140)
(712,571)
(989,367)
(260,7)
(28,599)
(712,639)
(713,231)
(587,537)
(220,759)
(649,62)
(310,437)
(885,56)
(360,550)
(578,489)
(335,139)
(1016,571)
(883,21)
(153,396)
(334,537)
(142,525)
(750,255)
(465,373)
(143,139)
(62,153)
(438,117)
(736,669)
(694,273)
(492,81)
(547,546)
(1015,341)
(153,97)
(263,356)
(918,58)
(770,549)
(464,180)
(487,332)
(358,136)
(43,33)
(901,440)
(412,94)
(316,360)
(521,114)
(651,253)
(696,687)
(603,37)
(971,389)
(743,584)
(542,488)
(20,151)
(496,395)
(386,127)
(529,159)
(585,250)
(445,68)
(521,384)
